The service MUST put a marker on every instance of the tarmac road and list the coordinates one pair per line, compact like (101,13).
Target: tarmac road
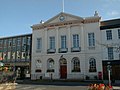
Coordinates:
(55,85)
(49,87)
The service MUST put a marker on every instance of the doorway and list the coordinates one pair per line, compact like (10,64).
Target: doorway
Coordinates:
(63,68)
(115,68)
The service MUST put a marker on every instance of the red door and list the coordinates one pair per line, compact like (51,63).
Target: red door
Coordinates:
(63,71)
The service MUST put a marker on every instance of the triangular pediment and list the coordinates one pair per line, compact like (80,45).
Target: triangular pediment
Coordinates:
(63,17)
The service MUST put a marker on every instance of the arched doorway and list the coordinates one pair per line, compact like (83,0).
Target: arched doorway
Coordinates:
(63,68)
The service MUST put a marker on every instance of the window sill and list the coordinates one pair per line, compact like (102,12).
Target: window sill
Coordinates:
(75,49)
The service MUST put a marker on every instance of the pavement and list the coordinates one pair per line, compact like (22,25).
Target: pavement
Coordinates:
(52,85)
(116,85)
(53,82)
(66,82)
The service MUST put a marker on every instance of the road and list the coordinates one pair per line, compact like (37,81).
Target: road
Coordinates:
(49,87)
(16,86)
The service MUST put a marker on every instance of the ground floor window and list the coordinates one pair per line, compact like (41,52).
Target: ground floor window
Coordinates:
(92,65)
(50,65)
(75,64)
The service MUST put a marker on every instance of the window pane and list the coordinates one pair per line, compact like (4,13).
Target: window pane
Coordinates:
(1,43)
(75,65)
(63,41)
(39,43)
(9,42)
(91,39)
(76,41)
(14,42)
(50,65)
(109,35)
(92,65)
(24,41)
(52,42)
(5,43)
(18,41)
(110,53)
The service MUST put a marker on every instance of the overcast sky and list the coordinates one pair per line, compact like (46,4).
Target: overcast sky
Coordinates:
(16,16)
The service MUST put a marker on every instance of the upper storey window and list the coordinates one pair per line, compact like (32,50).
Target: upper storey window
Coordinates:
(9,42)
(51,45)
(110,53)
(13,41)
(75,40)
(63,41)
(109,34)
(39,44)
(52,42)
(75,47)
(5,43)
(1,43)
(63,48)
(91,39)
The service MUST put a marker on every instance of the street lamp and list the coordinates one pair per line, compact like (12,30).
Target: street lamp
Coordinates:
(109,69)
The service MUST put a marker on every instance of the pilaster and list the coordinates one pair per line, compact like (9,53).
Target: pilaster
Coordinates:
(69,39)
(45,40)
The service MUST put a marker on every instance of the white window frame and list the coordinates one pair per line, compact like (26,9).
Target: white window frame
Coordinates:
(91,39)
(75,65)
(92,65)
(63,41)
(110,53)
(109,34)
(39,44)
(50,65)
(52,42)
(75,40)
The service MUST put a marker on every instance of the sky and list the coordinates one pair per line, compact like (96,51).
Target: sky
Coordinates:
(17,16)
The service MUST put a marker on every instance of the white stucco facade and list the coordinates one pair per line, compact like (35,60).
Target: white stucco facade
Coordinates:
(110,43)
(114,42)
(71,25)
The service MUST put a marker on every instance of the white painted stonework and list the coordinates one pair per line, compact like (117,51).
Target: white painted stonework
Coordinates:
(114,42)
(69,26)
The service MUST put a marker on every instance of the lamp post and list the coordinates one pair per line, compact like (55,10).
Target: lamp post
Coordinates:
(109,69)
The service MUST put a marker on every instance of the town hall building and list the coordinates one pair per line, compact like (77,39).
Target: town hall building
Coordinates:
(65,47)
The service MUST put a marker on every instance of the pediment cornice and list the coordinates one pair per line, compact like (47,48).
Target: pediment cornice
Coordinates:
(52,23)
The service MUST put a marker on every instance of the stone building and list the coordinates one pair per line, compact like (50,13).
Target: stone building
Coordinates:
(110,34)
(65,47)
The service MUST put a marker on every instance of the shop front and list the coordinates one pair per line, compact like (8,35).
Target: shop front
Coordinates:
(114,69)
(22,70)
